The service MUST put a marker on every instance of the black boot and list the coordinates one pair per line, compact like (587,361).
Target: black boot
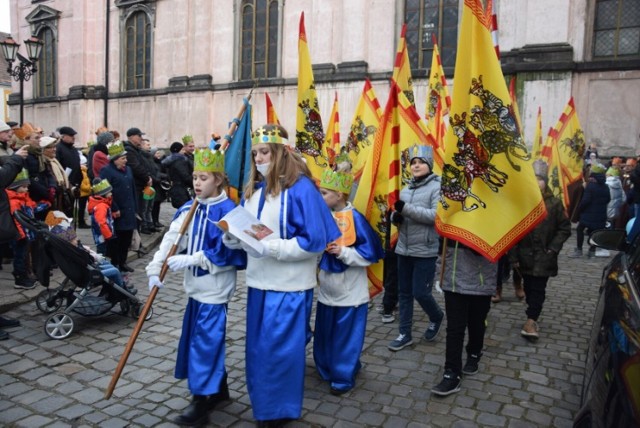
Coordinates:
(196,413)
(222,395)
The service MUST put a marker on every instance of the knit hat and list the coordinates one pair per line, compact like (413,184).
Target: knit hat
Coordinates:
(613,172)
(422,152)
(55,218)
(22,179)
(176,147)
(105,138)
(65,233)
(101,187)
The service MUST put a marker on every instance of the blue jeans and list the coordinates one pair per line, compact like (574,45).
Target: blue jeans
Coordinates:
(415,281)
(111,272)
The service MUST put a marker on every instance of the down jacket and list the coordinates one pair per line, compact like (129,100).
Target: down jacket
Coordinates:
(537,252)
(417,236)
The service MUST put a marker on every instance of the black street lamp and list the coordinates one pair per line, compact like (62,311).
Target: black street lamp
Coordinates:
(26,67)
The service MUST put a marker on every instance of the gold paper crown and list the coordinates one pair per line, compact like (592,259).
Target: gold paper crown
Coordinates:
(101,187)
(207,160)
(21,179)
(264,135)
(338,181)
(116,149)
(187,139)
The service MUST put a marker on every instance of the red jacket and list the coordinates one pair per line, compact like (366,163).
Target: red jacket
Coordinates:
(100,210)
(100,160)
(20,201)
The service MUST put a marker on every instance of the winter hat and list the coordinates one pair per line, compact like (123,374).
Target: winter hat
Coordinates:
(4,126)
(105,138)
(22,179)
(176,147)
(613,172)
(65,233)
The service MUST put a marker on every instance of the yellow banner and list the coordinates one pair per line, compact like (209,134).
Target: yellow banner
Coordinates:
(490,197)
(309,131)
(364,125)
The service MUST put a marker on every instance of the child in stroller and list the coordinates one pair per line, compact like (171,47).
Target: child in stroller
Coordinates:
(92,287)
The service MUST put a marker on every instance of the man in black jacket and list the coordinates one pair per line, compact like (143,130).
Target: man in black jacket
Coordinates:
(141,174)
(11,166)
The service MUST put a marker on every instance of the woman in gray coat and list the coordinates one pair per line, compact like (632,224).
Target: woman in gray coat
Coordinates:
(417,247)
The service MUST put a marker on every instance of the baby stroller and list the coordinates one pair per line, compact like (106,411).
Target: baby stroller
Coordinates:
(84,291)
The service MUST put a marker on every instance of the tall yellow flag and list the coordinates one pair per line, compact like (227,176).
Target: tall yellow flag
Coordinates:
(272,116)
(381,179)
(332,136)
(565,146)
(438,105)
(490,197)
(309,131)
(402,67)
(364,125)
(537,137)
(437,90)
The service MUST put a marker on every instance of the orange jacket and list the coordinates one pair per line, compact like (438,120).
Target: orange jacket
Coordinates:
(20,201)
(100,210)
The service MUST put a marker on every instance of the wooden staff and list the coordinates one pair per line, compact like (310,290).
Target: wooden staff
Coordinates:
(147,306)
(234,124)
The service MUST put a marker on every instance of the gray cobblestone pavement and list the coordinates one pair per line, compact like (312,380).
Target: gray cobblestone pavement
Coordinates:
(61,383)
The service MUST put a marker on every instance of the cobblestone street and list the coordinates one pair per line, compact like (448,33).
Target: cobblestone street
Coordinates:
(61,383)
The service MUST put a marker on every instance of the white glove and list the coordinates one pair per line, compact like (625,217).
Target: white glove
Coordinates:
(230,241)
(253,252)
(154,281)
(182,262)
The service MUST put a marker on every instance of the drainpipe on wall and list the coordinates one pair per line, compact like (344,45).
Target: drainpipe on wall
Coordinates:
(106,66)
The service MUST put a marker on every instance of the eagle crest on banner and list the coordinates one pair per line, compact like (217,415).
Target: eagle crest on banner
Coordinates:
(360,136)
(491,129)
(575,145)
(310,141)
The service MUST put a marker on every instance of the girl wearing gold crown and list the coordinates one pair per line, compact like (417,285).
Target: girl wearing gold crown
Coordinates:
(209,280)
(343,295)
(282,194)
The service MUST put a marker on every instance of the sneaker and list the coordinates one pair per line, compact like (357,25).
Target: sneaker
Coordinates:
(530,330)
(388,318)
(9,322)
(380,308)
(449,384)
(577,253)
(23,282)
(432,331)
(471,366)
(401,342)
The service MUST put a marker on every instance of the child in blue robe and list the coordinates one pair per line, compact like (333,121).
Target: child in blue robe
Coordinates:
(343,295)
(281,278)
(209,280)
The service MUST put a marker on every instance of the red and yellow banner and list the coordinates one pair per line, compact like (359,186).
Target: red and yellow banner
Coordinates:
(536,152)
(402,67)
(272,117)
(490,197)
(332,136)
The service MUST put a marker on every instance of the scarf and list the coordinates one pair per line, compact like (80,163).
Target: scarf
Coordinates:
(37,152)
(58,172)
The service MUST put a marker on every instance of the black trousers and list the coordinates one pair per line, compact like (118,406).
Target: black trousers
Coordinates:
(118,247)
(535,288)
(465,312)
(390,297)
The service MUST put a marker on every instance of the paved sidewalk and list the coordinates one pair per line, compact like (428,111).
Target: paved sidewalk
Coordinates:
(62,383)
